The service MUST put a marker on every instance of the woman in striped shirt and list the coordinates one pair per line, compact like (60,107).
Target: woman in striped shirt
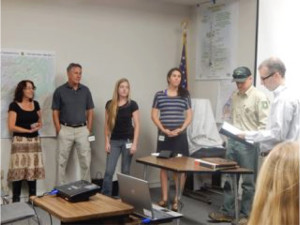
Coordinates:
(171,113)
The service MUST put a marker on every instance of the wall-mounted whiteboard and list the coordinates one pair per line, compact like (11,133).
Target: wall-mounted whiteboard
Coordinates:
(279,35)
(17,65)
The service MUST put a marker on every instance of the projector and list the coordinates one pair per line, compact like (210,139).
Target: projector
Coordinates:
(77,191)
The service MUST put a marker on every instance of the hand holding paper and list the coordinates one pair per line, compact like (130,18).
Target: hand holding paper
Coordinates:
(233,132)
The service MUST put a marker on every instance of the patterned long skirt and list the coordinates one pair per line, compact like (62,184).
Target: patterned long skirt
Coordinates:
(26,161)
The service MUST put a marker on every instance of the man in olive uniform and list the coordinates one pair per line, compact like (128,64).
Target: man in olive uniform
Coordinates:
(250,108)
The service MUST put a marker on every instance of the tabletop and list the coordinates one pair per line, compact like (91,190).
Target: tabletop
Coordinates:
(98,206)
(185,164)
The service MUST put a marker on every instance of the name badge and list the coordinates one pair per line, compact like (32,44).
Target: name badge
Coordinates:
(91,138)
(161,138)
(128,145)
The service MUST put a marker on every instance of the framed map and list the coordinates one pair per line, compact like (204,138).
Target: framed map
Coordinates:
(17,65)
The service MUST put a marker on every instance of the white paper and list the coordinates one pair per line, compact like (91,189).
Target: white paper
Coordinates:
(232,129)
(223,108)
(155,154)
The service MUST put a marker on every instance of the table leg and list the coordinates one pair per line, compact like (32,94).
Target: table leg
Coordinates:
(236,200)
(168,190)
(178,194)
(145,171)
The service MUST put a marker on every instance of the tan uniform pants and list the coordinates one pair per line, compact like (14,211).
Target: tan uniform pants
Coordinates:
(69,137)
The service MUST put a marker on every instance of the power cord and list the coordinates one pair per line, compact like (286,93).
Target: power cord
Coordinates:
(52,192)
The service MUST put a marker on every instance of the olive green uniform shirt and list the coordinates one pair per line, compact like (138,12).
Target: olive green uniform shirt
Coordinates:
(250,110)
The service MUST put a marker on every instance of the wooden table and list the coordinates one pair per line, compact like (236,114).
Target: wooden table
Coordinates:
(99,208)
(187,164)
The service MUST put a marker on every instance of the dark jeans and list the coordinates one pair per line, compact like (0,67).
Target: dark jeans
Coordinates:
(246,156)
(17,185)
(118,147)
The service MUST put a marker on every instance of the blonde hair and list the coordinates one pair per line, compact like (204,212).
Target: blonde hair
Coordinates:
(276,201)
(113,106)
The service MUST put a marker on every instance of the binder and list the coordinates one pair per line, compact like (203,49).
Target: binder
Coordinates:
(233,132)
(217,163)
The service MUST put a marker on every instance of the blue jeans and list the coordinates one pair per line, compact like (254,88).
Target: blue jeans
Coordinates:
(117,147)
(246,156)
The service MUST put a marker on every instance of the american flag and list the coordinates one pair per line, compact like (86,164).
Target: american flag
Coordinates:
(183,65)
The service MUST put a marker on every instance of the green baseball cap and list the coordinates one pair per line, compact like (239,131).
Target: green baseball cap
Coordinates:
(241,74)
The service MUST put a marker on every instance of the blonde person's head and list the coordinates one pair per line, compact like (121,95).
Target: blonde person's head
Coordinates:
(113,106)
(276,200)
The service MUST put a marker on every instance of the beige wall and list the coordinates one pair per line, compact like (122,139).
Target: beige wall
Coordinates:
(137,39)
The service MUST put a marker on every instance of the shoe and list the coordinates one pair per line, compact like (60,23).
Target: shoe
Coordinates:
(220,217)
(162,203)
(242,221)
(15,199)
(175,206)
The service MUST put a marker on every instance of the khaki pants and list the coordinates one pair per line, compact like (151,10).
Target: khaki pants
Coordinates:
(66,139)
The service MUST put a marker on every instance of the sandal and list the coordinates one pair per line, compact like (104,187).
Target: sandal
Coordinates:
(162,203)
(175,206)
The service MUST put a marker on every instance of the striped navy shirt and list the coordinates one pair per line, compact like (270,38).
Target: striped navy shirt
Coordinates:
(172,109)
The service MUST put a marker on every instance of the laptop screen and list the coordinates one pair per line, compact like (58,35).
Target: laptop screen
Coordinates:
(135,192)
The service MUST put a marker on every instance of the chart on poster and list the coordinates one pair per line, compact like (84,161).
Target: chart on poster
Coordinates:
(217,40)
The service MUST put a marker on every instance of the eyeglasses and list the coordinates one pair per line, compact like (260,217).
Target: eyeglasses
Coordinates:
(264,78)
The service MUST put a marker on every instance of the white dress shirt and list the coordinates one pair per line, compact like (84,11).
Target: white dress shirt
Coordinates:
(283,122)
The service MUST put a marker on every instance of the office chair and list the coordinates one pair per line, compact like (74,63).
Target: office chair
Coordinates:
(17,212)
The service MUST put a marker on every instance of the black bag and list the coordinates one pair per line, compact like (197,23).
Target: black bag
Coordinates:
(115,188)
(99,181)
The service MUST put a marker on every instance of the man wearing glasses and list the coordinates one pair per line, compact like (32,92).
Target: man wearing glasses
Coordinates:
(284,119)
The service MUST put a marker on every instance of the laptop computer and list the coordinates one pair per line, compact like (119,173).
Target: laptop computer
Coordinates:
(135,192)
